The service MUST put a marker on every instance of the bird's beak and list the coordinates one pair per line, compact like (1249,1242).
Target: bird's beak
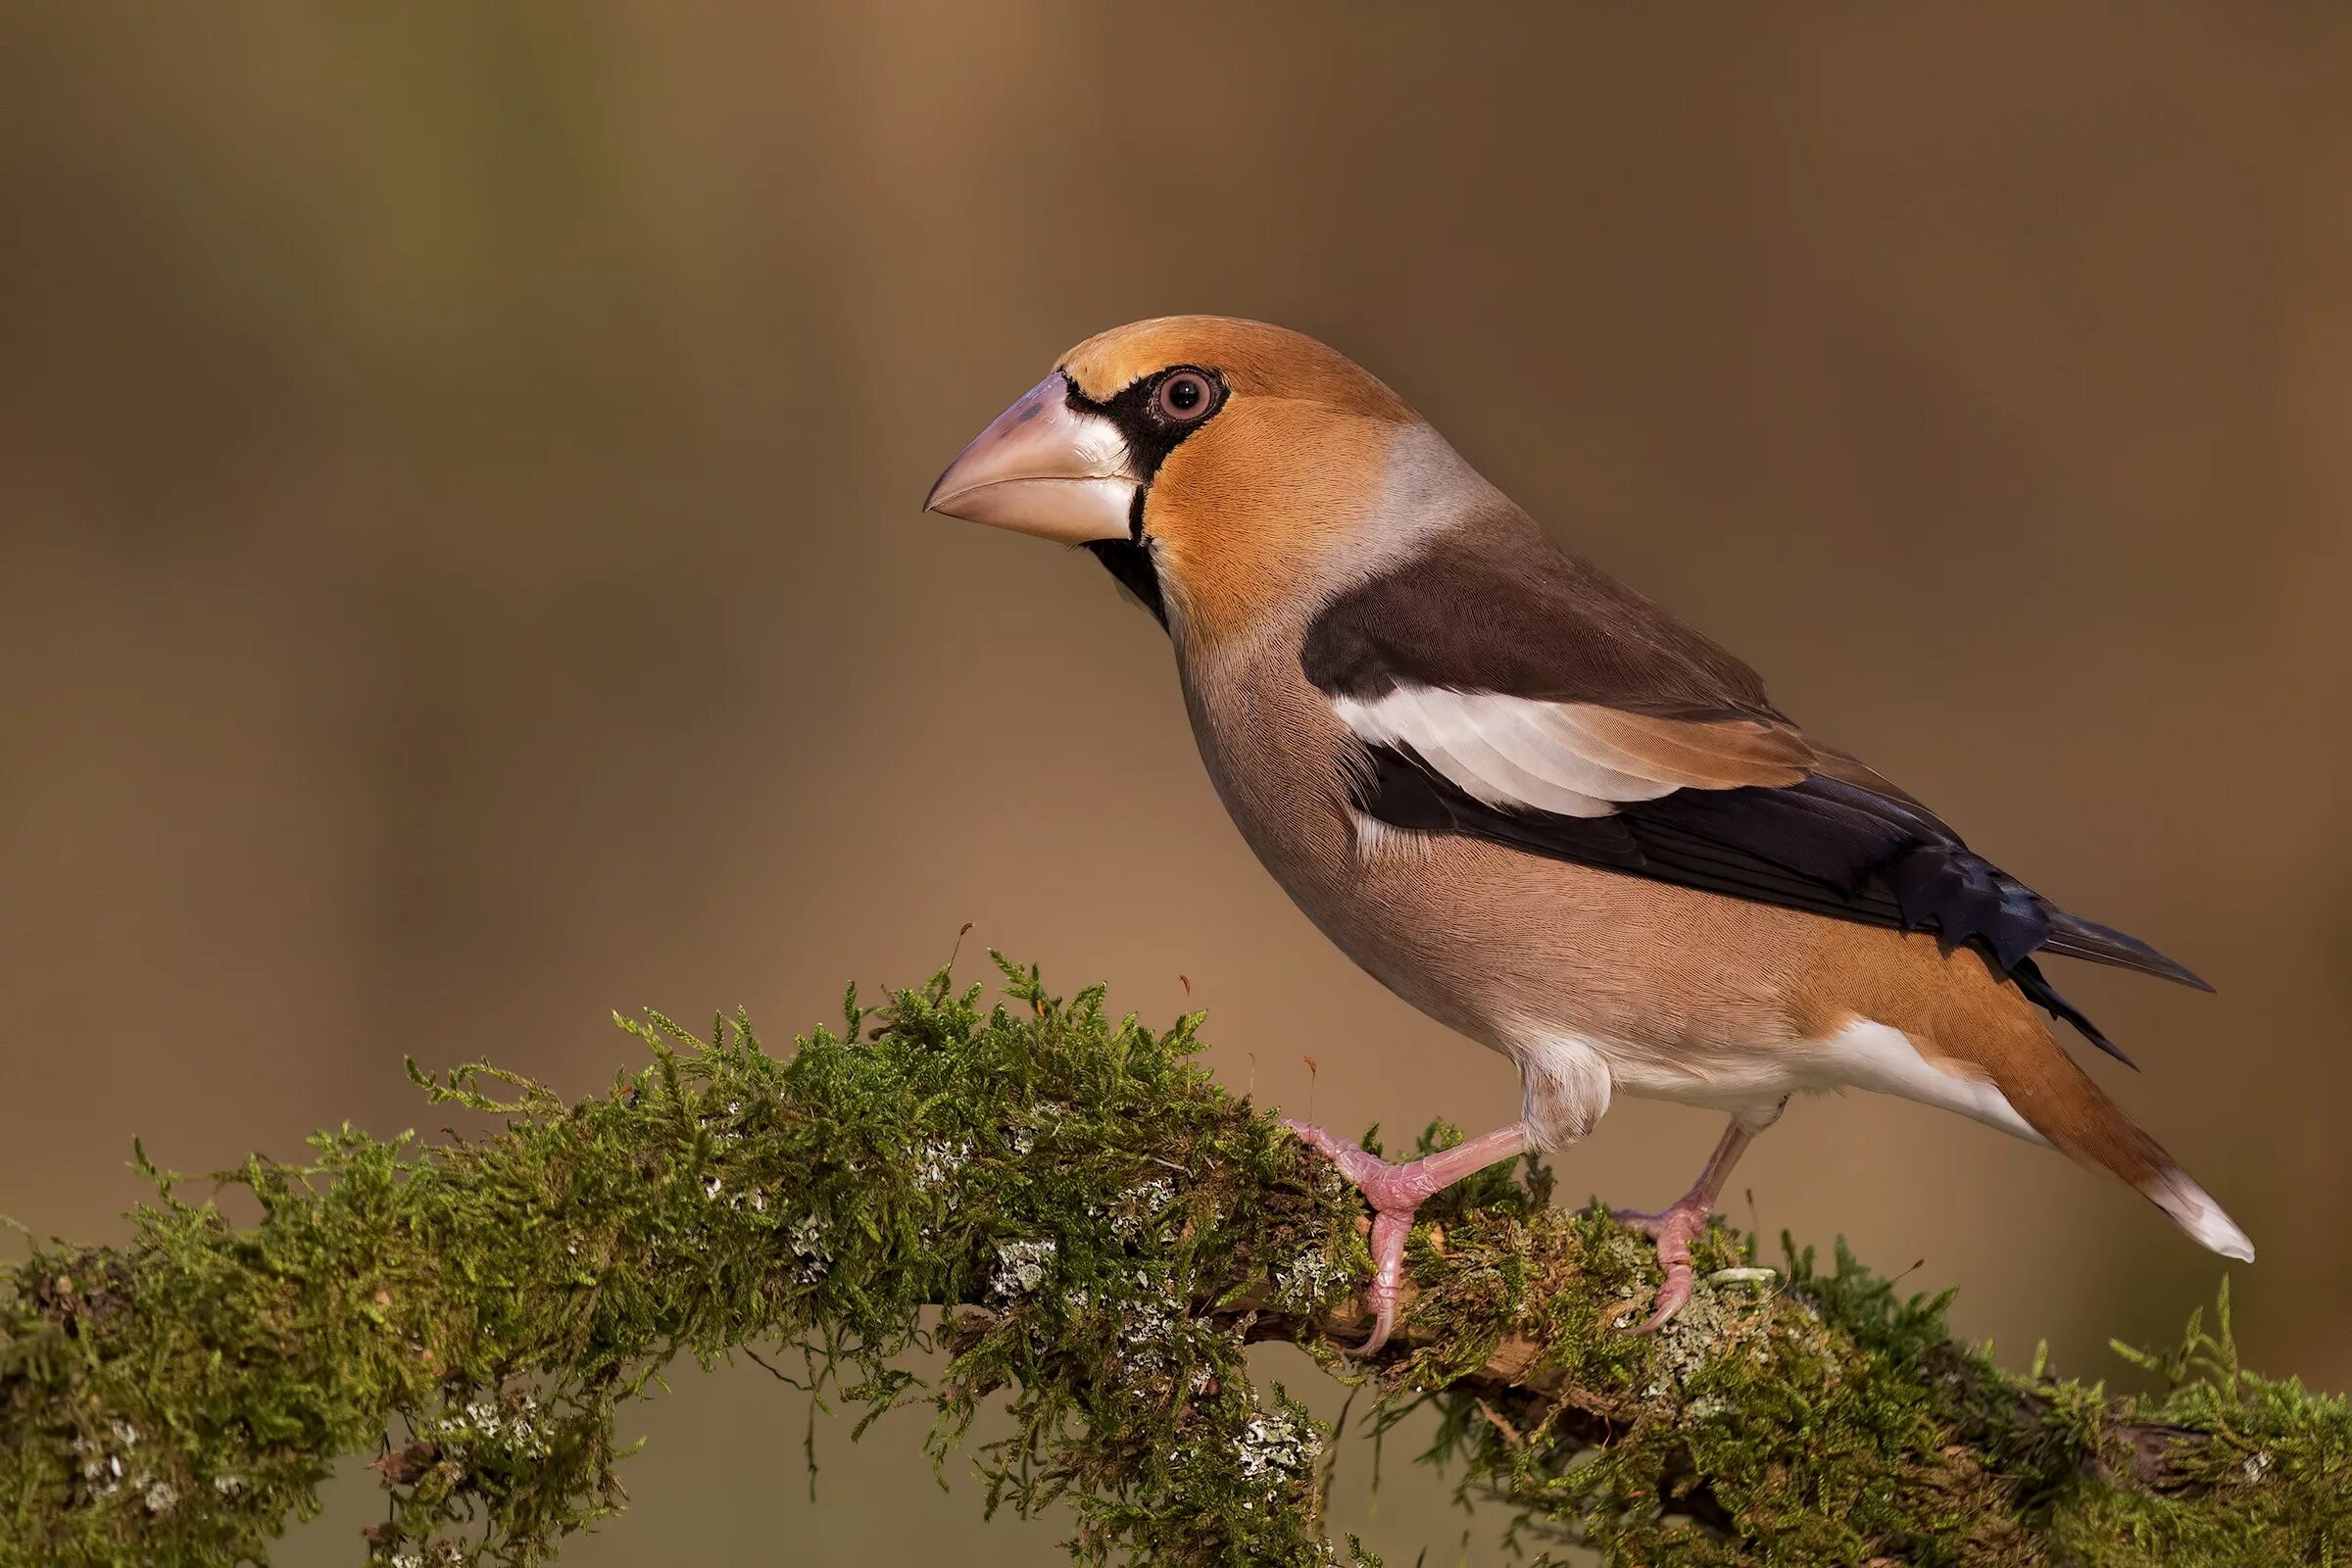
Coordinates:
(1044,467)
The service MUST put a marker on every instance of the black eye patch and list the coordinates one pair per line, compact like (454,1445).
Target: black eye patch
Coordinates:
(1135,409)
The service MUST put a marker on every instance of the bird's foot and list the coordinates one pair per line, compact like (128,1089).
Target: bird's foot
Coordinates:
(1396,1193)
(1674,1228)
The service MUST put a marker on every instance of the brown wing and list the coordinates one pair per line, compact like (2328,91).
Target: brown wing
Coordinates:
(1496,606)
(1506,689)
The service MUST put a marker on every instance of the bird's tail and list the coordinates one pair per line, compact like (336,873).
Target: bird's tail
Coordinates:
(2062,1102)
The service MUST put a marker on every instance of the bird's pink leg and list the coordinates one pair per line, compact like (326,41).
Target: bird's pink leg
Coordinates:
(1395,1192)
(1676,1227)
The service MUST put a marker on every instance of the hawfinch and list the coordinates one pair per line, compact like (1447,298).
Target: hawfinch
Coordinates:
(1528,800)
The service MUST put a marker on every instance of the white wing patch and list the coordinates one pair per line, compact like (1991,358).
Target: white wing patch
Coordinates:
(1516,753)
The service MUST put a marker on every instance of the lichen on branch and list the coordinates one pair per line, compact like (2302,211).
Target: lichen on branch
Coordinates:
(1093,1232)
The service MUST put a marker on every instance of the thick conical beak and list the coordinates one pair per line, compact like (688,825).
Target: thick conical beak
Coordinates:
(1043,468)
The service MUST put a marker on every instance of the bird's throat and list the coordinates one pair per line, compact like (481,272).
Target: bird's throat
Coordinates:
(1131,564)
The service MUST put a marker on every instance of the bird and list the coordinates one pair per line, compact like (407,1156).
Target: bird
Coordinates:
(1530,801)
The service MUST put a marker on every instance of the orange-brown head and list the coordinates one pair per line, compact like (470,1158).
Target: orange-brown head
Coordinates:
(1214,466)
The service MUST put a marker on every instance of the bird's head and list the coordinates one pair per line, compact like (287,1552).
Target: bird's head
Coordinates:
(1215,465)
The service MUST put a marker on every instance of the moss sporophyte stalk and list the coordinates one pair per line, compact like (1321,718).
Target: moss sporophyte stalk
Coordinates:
(1093,1232)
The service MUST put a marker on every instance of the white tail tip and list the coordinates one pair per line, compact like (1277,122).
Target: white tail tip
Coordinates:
(2199,1216)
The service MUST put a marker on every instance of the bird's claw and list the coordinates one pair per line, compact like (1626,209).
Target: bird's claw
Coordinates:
(1396,1193)
(1674,1230)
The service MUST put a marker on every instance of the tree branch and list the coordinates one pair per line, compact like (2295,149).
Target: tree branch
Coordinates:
(1113,1230)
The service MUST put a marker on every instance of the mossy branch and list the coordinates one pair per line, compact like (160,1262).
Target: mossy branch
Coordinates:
(1107,1230)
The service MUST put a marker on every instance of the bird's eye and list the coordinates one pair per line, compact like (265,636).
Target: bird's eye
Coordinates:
(1185,395)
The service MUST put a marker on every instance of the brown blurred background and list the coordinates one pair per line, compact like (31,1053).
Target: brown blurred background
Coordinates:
(462,571)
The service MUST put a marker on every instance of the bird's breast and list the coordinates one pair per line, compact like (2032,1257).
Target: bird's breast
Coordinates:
(1509,949)
(1277,756)
(1280,760)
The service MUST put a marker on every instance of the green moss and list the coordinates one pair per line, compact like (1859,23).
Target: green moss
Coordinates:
(1112,1229)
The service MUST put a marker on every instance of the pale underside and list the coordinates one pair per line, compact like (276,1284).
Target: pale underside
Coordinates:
(1750,1084)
